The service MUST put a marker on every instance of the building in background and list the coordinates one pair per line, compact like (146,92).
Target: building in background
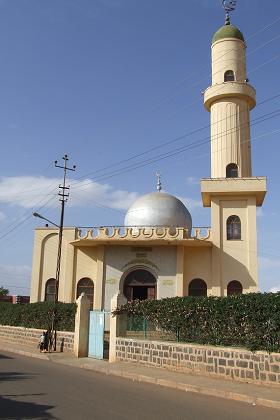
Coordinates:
(158,253)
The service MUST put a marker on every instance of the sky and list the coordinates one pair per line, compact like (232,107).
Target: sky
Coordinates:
(117,85)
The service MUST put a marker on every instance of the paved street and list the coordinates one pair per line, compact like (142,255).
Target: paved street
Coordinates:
(36,389)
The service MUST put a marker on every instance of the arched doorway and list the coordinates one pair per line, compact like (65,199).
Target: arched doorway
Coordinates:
(139,284)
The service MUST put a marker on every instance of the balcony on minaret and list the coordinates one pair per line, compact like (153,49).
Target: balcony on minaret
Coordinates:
(227,90)
(232,188)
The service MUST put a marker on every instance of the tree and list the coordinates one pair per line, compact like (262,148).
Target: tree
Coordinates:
(3,291)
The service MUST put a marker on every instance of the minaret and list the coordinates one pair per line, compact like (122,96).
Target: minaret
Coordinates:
(232,192)
(229,100)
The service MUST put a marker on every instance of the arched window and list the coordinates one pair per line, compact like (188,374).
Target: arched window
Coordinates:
(232,170)
(229,76)
(50,290)
(234,288)
(197,287)
(233,228)
(86,286)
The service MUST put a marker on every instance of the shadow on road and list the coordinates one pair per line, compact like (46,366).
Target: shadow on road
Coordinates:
(12,409)
(13,376)
(2,356)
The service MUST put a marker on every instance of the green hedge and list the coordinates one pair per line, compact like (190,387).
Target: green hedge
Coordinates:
(38,315)
(250,320)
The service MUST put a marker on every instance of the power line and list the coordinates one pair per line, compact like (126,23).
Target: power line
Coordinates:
(25,219)
(171,141)
(177,151)
(195,73)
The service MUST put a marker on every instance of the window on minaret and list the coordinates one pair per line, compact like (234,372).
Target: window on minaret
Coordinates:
(233,228)
(229,76)
(232,170)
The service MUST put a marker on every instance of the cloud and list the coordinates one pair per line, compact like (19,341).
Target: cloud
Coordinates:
(16,278)
(192,181)
(191,203)
(29,192)
(91,193)
(275,289)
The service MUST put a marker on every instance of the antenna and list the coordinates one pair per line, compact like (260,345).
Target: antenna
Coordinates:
(229,6)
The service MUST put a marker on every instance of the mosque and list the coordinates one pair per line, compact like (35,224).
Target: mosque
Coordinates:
(158,253)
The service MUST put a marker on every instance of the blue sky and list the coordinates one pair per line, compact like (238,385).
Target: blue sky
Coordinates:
(105,80)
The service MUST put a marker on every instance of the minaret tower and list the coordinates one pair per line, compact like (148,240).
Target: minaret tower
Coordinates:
(232,192)
(229,100)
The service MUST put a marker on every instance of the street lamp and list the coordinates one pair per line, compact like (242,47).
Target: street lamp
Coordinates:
(44,218)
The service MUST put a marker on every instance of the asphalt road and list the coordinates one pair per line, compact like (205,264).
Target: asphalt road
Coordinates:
(38,389)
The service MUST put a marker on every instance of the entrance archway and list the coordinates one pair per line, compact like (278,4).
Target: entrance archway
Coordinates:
(139,284)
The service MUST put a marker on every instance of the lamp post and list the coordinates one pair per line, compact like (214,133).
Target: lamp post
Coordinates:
(60,227)
(63,198)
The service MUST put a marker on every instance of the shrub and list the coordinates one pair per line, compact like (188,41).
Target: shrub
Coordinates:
(250,320)
(39,315)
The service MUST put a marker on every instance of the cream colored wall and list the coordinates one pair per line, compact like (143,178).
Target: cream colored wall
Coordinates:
(229,104)
(230,137)
(45,262)
(161,261)
(198,264)
(228,54)
(85,265)
(234,259)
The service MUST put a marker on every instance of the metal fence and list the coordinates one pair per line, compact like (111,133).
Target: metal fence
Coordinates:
(142,328)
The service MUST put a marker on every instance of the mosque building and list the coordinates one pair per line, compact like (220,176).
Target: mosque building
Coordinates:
(158,253)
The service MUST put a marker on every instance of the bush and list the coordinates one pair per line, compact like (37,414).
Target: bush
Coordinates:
(39,315)
(250,320)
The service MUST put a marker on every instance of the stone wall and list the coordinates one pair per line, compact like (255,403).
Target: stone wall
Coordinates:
(30,337)
(229,363)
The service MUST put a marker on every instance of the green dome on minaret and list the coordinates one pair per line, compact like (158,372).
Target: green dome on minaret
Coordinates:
(228,31)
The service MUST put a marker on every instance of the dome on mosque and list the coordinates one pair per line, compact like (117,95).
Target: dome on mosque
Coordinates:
(228,31)
(158,209)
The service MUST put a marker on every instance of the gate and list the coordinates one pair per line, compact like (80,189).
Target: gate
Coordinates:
(96,334)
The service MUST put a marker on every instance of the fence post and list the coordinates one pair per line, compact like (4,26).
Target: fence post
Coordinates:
(117,324)
(81,326)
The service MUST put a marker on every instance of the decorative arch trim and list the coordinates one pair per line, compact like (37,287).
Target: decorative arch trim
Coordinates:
(134,268)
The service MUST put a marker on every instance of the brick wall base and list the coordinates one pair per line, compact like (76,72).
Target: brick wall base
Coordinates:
(30,337)
(229,363)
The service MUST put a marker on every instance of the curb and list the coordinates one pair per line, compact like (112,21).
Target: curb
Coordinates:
(213,392)
(24,353)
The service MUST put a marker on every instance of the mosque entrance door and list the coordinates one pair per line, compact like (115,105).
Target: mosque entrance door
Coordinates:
(140,284)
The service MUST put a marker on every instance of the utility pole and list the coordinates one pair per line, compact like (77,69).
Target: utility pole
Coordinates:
(63,198)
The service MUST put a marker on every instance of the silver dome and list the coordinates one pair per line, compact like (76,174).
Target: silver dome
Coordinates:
(158,209)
